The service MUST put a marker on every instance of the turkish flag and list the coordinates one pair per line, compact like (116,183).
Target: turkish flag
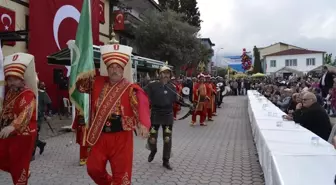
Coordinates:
(52,24)
(119,20)
(101,12)
(7,22)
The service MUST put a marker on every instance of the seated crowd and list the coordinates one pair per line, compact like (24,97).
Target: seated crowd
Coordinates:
(303,103)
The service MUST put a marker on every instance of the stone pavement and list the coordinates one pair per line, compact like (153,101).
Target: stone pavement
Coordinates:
(221,153)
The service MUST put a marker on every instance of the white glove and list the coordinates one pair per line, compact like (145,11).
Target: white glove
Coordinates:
(5,132)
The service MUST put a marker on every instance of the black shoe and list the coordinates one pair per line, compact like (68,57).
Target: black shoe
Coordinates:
(43,144)
(167,166)
(151,156)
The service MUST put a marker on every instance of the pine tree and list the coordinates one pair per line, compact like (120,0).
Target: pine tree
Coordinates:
(257,62)
(191,11)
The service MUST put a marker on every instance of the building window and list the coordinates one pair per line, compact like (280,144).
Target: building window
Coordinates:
(310,61)
(291,62)
(273,63)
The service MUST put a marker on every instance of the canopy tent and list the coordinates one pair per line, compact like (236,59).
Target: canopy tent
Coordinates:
(258,75)
(283,70)
(63,58)
(319,68)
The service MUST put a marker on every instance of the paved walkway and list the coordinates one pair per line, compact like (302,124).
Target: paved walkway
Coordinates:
(221,153)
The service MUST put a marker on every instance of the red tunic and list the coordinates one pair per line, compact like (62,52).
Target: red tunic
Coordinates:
(19,110)
(131,103)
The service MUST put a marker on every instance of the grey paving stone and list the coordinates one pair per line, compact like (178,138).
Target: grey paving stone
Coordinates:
(221,153)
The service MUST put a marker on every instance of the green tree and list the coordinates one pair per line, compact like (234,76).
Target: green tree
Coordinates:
(191,11)
(170,4)
(328,59)
(257,62)
(188,8)
(222,72)
(164,36)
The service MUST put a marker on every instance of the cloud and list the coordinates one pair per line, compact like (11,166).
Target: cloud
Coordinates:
(236,24)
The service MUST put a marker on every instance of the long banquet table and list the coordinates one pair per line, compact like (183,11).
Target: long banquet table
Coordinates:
(287,153)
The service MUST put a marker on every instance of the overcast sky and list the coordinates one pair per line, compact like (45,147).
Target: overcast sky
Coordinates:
(236,24)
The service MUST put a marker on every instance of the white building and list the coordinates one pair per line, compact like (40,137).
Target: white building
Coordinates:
(290,60)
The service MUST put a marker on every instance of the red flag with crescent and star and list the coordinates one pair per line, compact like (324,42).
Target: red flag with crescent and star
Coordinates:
(52,24)
(101,12)
(7,22)
(119,20)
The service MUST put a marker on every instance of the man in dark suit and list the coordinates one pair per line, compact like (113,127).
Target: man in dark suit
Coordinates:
(312,116)
(326,81)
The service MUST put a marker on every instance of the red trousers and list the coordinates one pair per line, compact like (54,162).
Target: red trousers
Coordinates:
(15,156)
(83,152)
(117,148)
(202,115)
(209,113)
(175,109)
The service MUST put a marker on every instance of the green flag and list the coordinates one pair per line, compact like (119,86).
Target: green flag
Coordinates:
(82,65)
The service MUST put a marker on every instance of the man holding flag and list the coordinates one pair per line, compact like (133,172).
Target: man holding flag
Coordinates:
(117,106)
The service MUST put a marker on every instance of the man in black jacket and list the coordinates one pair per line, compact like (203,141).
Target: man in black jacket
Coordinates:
(326,81)
(312,116)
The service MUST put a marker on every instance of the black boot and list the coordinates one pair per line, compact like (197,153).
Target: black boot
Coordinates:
(167,165)
(151,156)
(42,145)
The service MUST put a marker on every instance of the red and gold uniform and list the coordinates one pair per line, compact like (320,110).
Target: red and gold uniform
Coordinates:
(179,91)
(210,93)
(81,134)
(176,107)
(19,111)
(116,111)
(213,99)
(201,99)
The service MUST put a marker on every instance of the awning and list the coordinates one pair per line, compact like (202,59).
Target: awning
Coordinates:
(14,35)
(63,58)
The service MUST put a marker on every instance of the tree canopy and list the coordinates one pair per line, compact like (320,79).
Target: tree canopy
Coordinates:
(165,36)
(188,8)
(257,61)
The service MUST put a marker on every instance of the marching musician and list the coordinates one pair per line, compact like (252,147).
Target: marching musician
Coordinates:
(81,133)
(176,107)
(118,107)
(201,99)
(211,94)
(18,125)
(221,86)
(214,95)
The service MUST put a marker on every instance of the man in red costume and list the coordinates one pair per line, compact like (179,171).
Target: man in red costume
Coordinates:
(213,96)
(81,133)
(176,106)
(201,99)
(117,108)
(210,94)
(18,125)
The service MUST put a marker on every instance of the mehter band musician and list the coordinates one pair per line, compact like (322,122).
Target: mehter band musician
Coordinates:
(163,96)
(117,108)
(201,99)
(81,134)
(18,125)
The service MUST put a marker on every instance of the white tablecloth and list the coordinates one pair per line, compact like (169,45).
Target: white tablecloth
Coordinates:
(286,152)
